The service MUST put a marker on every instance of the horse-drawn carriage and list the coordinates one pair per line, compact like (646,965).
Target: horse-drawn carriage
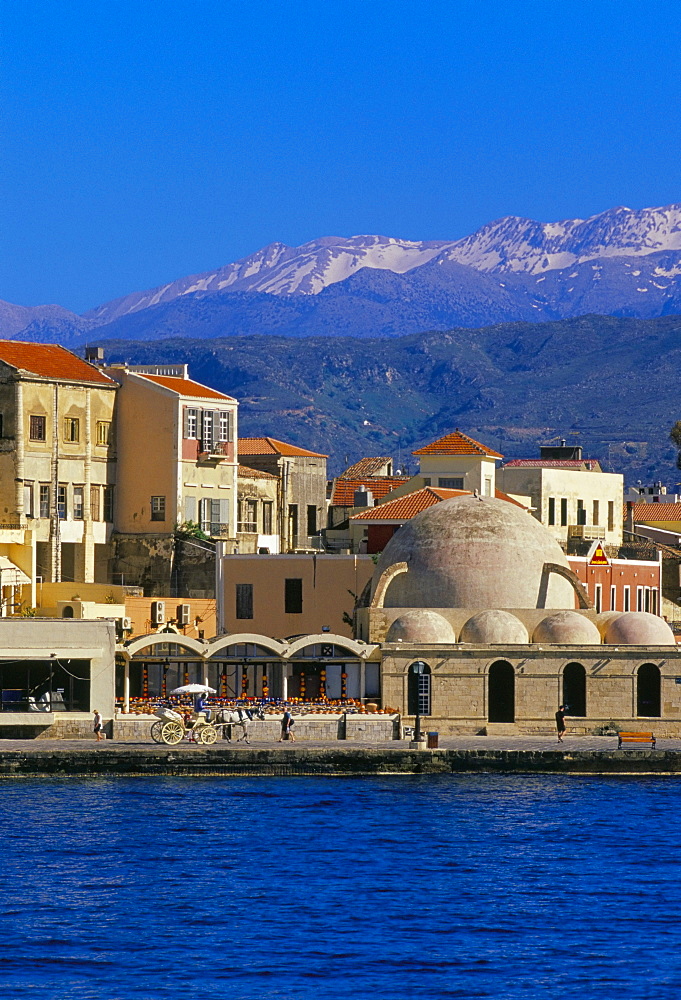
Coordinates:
(171,727)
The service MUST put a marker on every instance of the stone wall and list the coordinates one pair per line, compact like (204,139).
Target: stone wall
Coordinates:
(163,565)
(314,728)
(460,687)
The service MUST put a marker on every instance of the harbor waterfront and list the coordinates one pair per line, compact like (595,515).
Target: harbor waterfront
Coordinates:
(489,886)
(481,755)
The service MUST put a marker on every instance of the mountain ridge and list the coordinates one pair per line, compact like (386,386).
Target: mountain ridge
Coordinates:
(618,262)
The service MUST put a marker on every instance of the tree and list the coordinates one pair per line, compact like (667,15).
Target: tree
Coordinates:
(675,438)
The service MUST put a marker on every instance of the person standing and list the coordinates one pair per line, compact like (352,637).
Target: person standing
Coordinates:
(287,726)
(98,725)
(560,722)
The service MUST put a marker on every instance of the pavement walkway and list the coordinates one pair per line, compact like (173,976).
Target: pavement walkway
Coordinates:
(571,744)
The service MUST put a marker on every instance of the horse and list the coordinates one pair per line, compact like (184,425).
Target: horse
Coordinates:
(244,717)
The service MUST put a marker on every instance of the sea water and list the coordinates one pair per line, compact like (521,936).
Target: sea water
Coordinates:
(318,889)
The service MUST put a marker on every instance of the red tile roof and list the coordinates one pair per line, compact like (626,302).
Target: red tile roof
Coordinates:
(588,464)
(271,446)
(456,443)
(404,508)
(243,472)
(185,387)
(343,492)
(655,511)
(51,361)
(366,467)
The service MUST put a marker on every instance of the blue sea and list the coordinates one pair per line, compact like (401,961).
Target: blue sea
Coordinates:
(318,889)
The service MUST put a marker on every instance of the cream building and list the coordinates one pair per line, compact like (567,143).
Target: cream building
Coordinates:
(57,468)
(570,495)
(457,462)
(258,518)
(53,674)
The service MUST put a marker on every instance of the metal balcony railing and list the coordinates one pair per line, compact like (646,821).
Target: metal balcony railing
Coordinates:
(215,449)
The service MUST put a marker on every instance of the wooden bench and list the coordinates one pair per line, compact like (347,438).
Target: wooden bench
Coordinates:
(634,738)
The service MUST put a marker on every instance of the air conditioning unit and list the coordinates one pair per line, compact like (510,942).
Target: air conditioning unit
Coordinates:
(126,624)
(183,613)
(158,612)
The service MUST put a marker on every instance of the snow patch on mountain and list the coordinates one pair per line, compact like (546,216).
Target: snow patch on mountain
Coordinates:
(508,246)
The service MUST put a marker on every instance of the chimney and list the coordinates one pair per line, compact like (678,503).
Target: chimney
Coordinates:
(363,497)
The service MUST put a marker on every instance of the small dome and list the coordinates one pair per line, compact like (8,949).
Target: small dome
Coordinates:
(567,628)
(639,628)
(494,626)
(421,626)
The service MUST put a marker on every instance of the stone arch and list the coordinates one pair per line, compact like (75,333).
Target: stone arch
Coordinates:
(245,638)
(648,691)
(501,692)
(419,688)
(574,689)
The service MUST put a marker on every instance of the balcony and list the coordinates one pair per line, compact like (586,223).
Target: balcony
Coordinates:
(589,532)
(214,451)
(214,529)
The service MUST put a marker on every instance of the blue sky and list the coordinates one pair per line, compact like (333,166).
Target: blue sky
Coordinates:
(144,141)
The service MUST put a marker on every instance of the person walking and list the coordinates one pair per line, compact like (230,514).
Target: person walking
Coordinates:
(287,724)
(560,722)
(98,725)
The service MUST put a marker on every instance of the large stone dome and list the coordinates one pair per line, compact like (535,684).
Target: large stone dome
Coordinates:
(471,552)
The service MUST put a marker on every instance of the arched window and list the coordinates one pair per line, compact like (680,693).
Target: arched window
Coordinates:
(501,692)
(648,691)
(419,689)
(574,689)
(67,611)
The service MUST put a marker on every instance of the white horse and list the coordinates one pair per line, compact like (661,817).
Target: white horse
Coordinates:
(244,717)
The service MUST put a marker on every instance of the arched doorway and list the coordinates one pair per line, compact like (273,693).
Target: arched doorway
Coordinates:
(419,689)
(501,692)
(574,689)
(648,691)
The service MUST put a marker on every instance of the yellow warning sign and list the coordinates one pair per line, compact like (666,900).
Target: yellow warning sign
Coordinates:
(598,557)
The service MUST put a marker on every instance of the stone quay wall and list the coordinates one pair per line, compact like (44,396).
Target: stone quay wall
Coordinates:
(222,760)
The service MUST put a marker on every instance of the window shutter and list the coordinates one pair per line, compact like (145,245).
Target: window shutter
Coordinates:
(190,508)
(215,511)
(230,425)
(185,422)
(224,511)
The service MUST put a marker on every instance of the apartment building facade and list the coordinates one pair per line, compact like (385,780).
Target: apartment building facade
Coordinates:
(57,464)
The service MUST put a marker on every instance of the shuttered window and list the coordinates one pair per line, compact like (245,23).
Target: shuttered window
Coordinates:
(190,509)
(244,600)
(190,422)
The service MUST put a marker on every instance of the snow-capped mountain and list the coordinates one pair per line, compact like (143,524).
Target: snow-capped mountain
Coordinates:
(509,245)
(621,263)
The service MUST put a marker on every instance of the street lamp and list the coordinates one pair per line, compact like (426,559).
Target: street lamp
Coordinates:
(418,669)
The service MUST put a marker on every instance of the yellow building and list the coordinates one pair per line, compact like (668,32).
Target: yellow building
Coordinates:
(176,441)
(57,469)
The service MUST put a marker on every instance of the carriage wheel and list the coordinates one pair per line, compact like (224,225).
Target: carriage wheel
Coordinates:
(156,731)
(172,733)
(207,735)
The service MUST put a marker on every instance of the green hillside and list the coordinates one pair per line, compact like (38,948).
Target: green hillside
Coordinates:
(607,383)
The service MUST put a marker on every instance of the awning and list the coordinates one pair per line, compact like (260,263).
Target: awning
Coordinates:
(11,575)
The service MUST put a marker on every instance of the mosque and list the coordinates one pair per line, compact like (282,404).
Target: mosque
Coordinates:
(483,626)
